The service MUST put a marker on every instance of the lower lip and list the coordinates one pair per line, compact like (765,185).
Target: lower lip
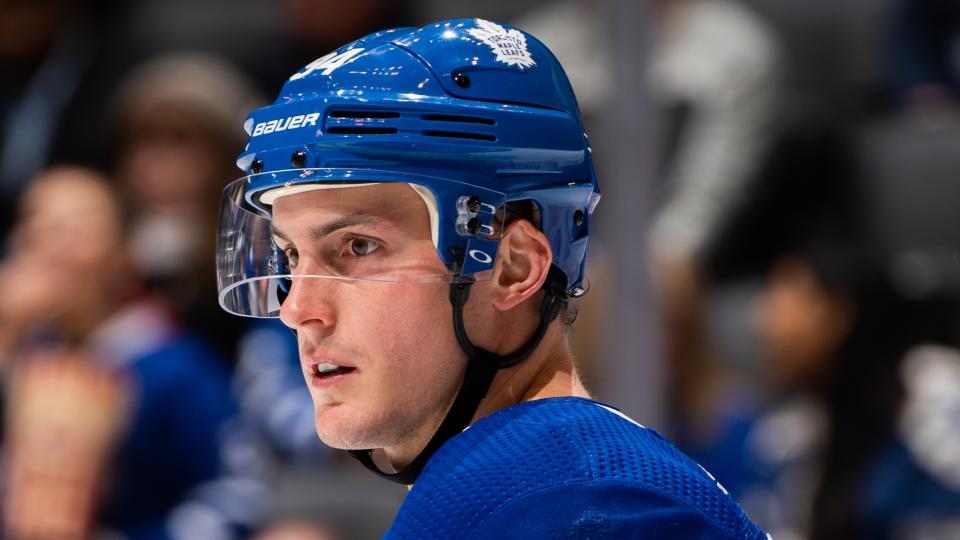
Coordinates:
(325,381)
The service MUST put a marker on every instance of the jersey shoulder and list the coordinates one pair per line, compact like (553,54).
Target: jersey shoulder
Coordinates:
(573,451)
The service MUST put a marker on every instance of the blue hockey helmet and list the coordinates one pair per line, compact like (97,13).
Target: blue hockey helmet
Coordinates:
(471,114)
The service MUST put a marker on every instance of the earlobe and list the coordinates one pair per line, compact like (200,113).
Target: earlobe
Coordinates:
(523,262)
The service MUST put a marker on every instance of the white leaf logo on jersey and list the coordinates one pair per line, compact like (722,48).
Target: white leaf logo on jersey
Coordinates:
(510,46)
(328,63)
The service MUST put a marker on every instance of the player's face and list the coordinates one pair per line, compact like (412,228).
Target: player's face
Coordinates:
(379,356)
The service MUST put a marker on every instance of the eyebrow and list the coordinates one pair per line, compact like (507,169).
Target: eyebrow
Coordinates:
(324,230)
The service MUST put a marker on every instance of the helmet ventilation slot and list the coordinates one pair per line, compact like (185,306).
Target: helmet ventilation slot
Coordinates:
(360,122)
(361,130)
(461,119)
(361,114)
(460,135)
(385,122)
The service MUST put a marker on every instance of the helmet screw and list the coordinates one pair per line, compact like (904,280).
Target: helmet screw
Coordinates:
(473,203)
(298,159)
(473,226)
(578,218)
(257,166)
(462,80)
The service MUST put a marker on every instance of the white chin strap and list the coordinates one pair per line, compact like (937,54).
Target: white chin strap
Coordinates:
(269,197)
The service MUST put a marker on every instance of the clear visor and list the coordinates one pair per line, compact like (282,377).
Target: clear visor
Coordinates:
(280,227)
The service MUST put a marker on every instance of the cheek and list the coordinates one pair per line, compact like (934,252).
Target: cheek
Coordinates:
(411,364)
(415,315)
(406,330)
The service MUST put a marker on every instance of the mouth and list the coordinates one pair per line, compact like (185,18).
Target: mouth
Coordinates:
(325,371)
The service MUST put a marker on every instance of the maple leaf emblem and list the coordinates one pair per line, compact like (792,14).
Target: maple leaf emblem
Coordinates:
(510,46)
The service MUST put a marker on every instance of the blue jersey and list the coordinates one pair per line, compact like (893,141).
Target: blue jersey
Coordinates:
(182,468)
(566,468)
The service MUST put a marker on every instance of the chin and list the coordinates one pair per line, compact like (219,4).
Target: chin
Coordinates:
(338,442)
(344,428)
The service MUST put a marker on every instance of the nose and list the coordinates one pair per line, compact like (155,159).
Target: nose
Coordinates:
(310,303)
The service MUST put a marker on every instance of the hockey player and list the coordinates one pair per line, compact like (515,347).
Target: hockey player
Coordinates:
(416,207)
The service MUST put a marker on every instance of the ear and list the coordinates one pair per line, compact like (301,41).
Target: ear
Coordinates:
(523,262)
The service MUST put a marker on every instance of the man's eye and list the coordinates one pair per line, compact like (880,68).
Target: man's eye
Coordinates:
(290,258)
(360,247)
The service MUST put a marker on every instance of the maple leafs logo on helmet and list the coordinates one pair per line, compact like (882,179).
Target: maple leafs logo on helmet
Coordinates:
(510,46)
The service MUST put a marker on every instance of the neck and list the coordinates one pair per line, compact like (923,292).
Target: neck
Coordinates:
(548,372)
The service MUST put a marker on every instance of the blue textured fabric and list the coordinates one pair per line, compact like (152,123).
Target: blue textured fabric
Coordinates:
(183,399)
(900,496)
(566,468)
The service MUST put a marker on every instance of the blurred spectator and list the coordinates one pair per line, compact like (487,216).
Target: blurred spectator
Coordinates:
(179,122)
(80,337)
(716,77)
(804,180)
(295,530)
(59,451)
(809,310)
(715,71)
(829,461)
(55,68)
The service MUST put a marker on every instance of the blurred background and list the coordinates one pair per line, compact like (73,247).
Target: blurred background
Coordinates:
(774,266)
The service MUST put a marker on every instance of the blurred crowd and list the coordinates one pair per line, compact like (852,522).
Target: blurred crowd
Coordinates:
(805,255)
